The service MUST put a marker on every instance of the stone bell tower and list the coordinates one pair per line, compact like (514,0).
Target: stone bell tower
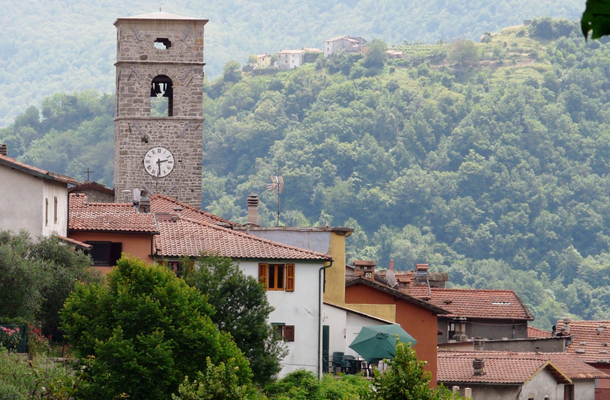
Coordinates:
(159,106)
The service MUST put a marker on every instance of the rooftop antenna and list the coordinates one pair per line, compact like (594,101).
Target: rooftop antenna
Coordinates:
(277,186)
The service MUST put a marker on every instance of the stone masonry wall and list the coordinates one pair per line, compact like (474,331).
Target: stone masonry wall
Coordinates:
(136,132)
(164,132)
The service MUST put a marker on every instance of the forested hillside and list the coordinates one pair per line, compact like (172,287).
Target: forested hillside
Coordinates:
(490,161)
(70,45)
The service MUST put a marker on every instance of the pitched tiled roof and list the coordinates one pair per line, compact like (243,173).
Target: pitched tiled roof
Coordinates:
(93,186)
(357,280)
(533,332)
(509,367)
(75,243)
(336,38)
(164,204)
(590,340)
(108,217)
(476,303)
(182,236)
(37,172)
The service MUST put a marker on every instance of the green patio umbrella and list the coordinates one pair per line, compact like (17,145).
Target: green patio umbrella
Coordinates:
(375,343)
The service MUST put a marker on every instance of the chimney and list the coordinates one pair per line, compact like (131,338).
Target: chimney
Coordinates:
(3,149)
(478,364)
(252,202)
(460,330)
(421,274)
(391,265)
(479,344)
(566,326)
(365,269)
(144,204)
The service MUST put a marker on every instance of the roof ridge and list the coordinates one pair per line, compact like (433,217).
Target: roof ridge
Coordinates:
(206,213)
(246,235)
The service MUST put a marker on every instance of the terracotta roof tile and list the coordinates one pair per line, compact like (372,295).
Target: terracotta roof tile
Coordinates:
(590,340)
(166,204)
(38,172)
(91,185)
(358,280)
(509,367)
(533,332)
(476,303)
(189,237)
(108,217)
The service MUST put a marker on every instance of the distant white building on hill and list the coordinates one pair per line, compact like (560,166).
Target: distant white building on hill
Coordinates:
(290,59)
(349,44)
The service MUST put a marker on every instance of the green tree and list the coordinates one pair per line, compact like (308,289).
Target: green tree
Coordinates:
(464,53)
(217,383)
(232,72)
(376,56)
(406,379)
(143,332)
(36,277)
(242,309)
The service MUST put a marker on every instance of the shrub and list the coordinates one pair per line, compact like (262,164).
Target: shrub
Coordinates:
(145,331)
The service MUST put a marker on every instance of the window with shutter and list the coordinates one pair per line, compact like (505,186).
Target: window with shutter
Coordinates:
(289,333)
(262,274)
(290,277)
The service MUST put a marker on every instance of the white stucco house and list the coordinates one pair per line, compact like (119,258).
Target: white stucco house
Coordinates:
(346,43)
(33,199)
(293,277)
(290,59)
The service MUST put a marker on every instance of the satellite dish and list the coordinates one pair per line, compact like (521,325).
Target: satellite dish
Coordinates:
(391,278)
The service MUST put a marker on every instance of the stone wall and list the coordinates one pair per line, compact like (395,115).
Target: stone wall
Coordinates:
(136,132)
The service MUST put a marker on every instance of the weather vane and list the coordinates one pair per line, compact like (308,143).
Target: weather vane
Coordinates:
(276,186)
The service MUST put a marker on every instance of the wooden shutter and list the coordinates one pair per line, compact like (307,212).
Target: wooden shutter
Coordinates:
(289,333)
(263,270)
(290,277)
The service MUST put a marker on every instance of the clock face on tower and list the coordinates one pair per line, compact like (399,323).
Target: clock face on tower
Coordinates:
(159,162)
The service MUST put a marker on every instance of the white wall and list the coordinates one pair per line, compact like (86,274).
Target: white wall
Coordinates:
(299,308)
(583,389)
(52,190)
(541,385)
(344,326)
(20,202)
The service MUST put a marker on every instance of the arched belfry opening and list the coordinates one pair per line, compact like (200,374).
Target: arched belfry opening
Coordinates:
(162,97)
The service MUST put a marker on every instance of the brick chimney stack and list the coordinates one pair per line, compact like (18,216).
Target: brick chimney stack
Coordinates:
(4,149)
(391,265)
(252,202)
(365,269)
(478,364)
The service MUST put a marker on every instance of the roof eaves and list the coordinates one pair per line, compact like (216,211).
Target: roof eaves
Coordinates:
(396,293)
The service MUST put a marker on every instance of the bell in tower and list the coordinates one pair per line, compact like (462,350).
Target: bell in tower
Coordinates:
(159,106)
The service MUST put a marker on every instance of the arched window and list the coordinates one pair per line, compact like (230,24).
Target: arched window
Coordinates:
(162,97)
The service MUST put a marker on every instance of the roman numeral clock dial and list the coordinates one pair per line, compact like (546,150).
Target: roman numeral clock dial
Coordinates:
(159,162)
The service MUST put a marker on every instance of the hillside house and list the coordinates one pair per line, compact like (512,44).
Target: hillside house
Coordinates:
(33,199)
(417,317)
(490,314)
(290,59)
(590,342)
(167,230)
(513,375)
(346,43)
(95,192)
(263,60)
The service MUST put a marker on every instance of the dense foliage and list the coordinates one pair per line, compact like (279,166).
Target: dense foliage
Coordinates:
(40,378)
(488,160)
(36,277)
(71,45)
(241,309)
(143,332)
(406,379)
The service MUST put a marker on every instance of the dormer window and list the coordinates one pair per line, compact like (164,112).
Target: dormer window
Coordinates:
(162,44)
